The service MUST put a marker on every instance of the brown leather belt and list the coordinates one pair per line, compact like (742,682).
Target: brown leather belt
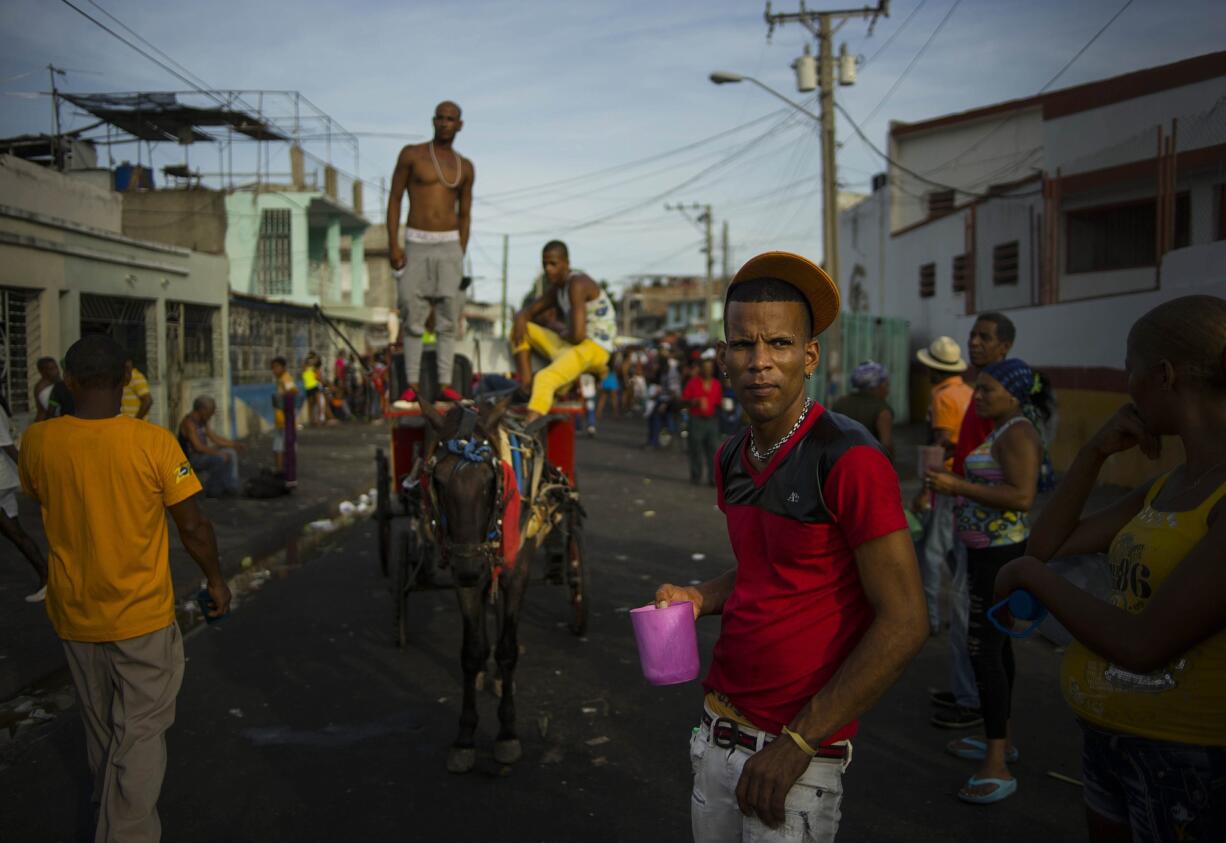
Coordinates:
(729,733)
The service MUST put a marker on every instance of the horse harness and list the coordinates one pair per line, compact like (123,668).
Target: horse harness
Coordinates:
(470,450)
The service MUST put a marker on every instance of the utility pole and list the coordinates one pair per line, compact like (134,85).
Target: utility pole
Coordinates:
(706,219)
(726,254)
(502,318)
(57,153)
(823,27)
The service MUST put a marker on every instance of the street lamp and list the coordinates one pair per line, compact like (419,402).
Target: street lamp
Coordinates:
(830,241)
(724,77)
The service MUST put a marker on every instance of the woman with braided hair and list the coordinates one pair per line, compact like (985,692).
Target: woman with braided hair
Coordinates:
(991,517)
(1146,676)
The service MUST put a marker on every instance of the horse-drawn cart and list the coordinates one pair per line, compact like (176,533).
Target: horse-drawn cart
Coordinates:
(413,550)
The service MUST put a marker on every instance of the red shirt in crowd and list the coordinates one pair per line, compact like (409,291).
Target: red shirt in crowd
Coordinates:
(798,608)
(973,433)
(708,394)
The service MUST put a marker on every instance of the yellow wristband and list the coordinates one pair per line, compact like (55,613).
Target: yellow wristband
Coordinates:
(800,742)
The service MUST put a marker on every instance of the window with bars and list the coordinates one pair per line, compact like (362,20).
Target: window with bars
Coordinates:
(928,280)
(959,274)
(273,254)
(940,202)
(198,326)
(123,320)
(1005,263)
(15,349)
(1121,236)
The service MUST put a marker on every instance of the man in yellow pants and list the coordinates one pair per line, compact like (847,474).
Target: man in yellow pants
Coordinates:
(588,328)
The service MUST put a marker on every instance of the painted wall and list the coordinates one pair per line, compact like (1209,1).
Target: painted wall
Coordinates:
(937,242)
(863,231)
(192,219)
(47,192)
(1079,341)
(243,213)
(60,249)
(1127,129)
(1001,221)
(972,155)
(315,247)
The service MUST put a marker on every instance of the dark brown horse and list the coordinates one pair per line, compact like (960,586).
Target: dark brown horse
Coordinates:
(467,493)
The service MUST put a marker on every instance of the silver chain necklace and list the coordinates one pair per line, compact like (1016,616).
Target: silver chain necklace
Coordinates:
(459,162)
(763,456)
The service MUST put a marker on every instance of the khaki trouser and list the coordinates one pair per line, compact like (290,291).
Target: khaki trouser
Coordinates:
(127,691)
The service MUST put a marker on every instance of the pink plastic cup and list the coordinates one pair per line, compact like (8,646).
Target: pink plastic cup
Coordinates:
(668,645)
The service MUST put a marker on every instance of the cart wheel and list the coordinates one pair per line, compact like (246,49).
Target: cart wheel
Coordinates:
(404,550)
(576,580)
(383,509)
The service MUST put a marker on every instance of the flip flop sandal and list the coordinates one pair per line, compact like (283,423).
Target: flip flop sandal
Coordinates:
(975,749)
(1004,789)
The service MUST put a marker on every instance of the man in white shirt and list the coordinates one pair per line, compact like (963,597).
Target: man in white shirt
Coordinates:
(10,528)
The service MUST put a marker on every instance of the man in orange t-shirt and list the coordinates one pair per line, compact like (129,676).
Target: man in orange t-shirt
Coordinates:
(104,482)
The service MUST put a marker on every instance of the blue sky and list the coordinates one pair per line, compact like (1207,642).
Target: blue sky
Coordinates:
(553,90)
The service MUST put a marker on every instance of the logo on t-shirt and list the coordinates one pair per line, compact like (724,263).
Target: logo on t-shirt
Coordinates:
(183,472)
(793,498)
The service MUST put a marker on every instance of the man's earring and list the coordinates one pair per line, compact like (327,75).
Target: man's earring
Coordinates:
(809,376)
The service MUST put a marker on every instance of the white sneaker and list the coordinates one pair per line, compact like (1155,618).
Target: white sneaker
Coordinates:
(38,596)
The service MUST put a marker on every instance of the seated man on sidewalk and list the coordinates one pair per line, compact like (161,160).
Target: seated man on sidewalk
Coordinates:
(210,454)
(590,330)
(104,482)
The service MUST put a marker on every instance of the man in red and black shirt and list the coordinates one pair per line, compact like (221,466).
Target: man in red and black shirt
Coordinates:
(825,607)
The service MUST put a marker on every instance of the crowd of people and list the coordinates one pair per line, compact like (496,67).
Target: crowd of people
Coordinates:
(1146,674)
(831,596)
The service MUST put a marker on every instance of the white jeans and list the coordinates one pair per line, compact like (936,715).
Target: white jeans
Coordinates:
(811,810)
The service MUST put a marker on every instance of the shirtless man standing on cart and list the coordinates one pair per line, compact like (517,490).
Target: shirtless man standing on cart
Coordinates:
(430,264)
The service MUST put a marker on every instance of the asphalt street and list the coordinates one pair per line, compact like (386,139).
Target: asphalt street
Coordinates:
(299,720)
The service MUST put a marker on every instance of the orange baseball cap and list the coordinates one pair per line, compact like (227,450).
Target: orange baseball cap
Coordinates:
(803,274)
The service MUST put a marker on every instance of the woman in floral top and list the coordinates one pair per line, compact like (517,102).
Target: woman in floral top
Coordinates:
(991,519)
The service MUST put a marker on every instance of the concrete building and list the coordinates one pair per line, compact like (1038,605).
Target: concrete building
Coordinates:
(289,247)
(1073,212)
(655,305)
(67,269)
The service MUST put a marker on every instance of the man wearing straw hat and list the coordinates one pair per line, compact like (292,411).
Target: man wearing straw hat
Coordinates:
(824,608)
(950,397)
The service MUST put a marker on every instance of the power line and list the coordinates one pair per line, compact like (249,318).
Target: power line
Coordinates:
(1000,124)
(909,171)
(637,162)
(664,257)
(894,34)
(200,82)
(1086,46)
(588,194)
(669,191)
(914,60)
(151,58)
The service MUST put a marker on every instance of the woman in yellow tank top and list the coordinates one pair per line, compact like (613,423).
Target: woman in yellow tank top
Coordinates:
(1146,676)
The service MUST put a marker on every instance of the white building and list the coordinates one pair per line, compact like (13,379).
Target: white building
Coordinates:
(66,269)
(1073,212)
